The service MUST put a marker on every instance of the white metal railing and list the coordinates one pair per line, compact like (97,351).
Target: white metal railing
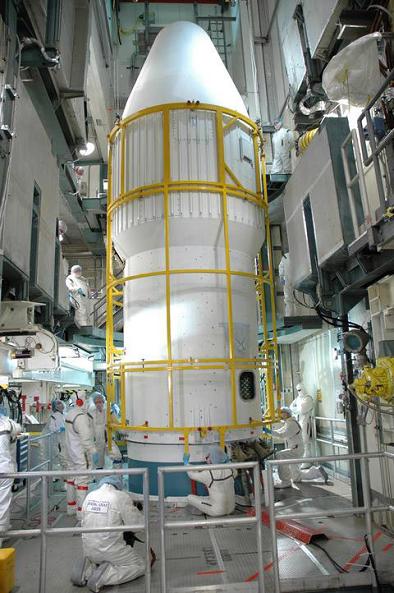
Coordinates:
(45,531)
(212,522)
(367,509)
(376,147)
(332,441)
(45,460)
(356,181)
(44,441)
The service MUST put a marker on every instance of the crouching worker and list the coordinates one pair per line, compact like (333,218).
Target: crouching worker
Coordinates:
(220,483)
(107,559)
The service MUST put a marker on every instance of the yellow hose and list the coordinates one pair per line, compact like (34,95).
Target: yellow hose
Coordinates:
(306,139)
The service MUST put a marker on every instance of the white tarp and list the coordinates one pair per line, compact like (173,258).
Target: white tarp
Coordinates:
(353,75)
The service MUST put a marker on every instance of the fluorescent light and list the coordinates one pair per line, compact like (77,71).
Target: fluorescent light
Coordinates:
(90,147)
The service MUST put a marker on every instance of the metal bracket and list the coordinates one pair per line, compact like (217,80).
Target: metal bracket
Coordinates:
(6,133)
(11,92)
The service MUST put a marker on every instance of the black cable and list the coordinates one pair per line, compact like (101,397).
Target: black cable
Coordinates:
(340,569)
(336,321)
(300,303)
(373,563)
(304,300)
(341,323)
(326,315)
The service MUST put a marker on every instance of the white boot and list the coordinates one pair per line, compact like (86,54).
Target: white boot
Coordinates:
(71,497)
(82,572)
(96,581)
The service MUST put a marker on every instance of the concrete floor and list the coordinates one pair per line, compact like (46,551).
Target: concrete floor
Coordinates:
(224,559)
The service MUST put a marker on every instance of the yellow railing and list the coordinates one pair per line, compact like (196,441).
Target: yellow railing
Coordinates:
(267,360)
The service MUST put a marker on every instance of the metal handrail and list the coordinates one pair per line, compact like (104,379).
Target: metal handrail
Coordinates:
(218,521)
(327,419)
(335,444)
(376,148)
(44,530)
(358,179)
(47,462)
(366,510)
(99,310)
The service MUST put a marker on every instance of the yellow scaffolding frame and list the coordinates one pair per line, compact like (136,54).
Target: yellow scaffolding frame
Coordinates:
(267,360)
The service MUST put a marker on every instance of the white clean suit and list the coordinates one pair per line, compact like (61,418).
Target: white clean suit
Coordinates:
(291,433)
(9,431)
(109,507)
(302,407)
(221,494)
(79,290)
(282,143)
(80,450)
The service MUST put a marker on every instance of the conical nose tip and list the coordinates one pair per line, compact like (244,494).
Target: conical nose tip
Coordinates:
(183,65)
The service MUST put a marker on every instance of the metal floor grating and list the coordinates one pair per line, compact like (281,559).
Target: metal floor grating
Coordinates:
(223,559)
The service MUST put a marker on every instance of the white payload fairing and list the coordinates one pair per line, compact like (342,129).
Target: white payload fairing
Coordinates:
(186,213)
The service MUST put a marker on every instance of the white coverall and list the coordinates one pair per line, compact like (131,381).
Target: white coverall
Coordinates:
(81,302)
(282,143)
(56,424)
(98,424)
(221,494)
(302,408)
(291,433)
(285,280)
(109,507)
(79,451)
(9,430)
(99,419)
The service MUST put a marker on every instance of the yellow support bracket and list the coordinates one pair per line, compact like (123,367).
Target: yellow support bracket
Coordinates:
(230,124)
(234,178)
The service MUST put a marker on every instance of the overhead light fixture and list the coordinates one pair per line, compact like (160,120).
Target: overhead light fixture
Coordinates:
(89,148)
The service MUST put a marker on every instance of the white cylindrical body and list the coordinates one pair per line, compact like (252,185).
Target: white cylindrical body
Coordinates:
(199,327)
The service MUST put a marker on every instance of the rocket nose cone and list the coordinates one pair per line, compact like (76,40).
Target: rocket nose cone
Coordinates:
(183,65)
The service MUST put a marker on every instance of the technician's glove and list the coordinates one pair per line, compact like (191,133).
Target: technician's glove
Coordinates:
(186,459)
(62,429)
(81,292)
(267,430)
(95,458)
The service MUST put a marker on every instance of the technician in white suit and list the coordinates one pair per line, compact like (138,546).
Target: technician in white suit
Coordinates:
(282,143)
(302,408)
(81,455)
(291,432)
(9,431)
(220,484)
(285,280)
(56,425)
(79,290)
(98,414)
(108,560)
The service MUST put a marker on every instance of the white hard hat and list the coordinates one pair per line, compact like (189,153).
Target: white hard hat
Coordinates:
(300,387)
(76,269)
